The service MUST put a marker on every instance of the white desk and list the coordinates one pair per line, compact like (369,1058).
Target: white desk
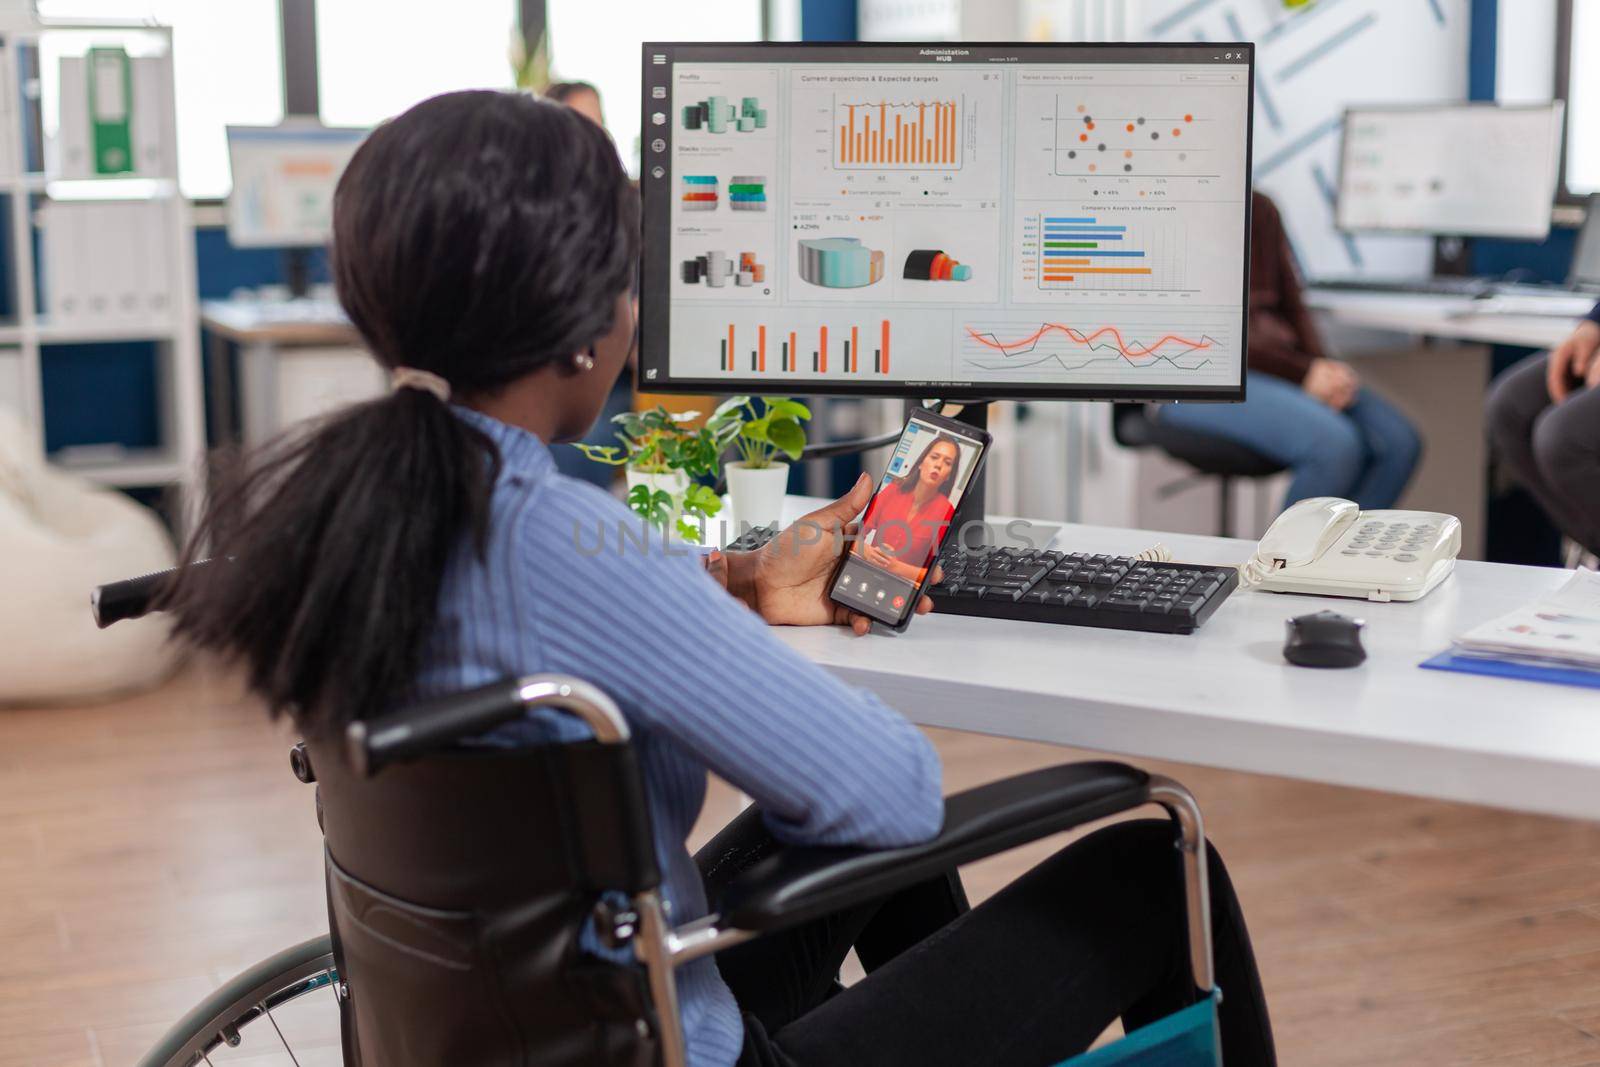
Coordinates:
(1444,387)
(1438,316)
(1225,697)
(297,359)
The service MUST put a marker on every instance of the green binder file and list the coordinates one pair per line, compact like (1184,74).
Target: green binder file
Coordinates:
(111,110)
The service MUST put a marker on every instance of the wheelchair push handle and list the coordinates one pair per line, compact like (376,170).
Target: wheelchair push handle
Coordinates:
(131,598)
(371,745)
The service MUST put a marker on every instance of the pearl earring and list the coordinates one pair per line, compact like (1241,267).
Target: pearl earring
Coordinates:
(583,361)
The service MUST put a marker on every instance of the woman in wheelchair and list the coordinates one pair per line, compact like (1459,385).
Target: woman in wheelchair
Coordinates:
(485,245)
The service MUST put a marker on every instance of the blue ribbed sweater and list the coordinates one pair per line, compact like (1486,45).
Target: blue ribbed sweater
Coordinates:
(573,582)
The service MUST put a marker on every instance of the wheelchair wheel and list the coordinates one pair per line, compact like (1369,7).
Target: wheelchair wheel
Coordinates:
(251,1011)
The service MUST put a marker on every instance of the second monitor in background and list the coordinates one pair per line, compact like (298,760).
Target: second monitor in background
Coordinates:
(283,182)
(1452,170)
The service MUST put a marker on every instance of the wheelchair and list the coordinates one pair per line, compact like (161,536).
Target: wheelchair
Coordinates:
(447,947)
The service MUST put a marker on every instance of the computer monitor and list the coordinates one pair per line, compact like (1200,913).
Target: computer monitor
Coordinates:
(283,182)
(1585,273)
(1452,170)
(972,221)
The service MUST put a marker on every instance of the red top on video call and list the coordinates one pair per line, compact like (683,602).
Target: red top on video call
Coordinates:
(905,531)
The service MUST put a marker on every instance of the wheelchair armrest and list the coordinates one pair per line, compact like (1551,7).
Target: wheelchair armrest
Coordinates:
(797,884)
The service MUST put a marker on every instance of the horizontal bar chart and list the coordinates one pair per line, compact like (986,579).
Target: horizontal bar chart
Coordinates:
(1092,252)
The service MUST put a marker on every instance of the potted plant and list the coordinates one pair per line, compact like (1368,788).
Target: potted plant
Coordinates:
(663,455)
(758,480)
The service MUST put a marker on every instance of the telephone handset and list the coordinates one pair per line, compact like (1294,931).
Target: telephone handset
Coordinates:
(1330,547)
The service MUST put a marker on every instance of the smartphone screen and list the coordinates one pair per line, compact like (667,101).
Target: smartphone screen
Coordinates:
(905,522)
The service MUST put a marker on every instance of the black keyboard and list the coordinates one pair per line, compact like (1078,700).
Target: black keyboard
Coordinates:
(1068,588)
(1080,589)
(1442,285)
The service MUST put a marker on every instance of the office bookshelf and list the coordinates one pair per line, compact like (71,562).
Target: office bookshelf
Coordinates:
(175,463)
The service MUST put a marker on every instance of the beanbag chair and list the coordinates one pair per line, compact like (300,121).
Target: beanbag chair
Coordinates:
(60,536)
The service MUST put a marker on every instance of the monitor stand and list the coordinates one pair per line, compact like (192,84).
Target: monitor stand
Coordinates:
(970,527)
(297,272)
(1452,257)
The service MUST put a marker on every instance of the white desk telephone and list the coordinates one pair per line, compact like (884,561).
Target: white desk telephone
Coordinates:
(1330,547)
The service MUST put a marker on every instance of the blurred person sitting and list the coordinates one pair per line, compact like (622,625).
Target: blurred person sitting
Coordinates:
(1303,409)
(581,97)
(1544,422)
(584,98)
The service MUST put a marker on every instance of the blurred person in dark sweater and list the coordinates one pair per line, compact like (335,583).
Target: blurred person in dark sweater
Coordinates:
(1304,409)
(584,98)
(1544,423)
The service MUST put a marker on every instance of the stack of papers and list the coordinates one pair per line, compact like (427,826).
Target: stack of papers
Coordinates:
(1562,631)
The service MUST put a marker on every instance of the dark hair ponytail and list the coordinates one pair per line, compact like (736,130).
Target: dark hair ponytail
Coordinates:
(481,237)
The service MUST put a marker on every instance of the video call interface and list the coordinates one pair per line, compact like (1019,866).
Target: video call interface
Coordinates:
(1060,220)
(923,483)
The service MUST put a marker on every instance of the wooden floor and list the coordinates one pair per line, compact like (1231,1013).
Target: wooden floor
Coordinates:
(151,847)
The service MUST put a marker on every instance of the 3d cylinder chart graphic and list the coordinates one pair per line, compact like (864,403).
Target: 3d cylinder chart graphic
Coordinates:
(839,263)
(747,192)
(699,192)
(714,114)
(714,270)
(935,265)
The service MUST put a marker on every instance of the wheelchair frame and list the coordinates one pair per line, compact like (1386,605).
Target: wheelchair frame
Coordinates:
(792,887)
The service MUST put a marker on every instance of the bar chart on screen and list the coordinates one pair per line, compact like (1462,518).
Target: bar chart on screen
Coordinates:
(1080,251)
(899,134)
(1115,345)
(934,136)
(850,350)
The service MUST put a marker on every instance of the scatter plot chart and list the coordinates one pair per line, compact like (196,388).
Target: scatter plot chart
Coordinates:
(1110,140)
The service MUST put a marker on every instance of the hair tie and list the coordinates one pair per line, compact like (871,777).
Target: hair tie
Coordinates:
(417,378)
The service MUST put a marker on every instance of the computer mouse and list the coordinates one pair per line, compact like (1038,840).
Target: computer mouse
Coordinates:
(1325,639)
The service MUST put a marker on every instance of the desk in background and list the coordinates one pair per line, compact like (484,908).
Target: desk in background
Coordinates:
(1444,317)
(1225,697)
(297,359)
(1443,387)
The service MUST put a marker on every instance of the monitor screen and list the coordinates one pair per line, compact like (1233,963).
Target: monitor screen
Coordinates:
(1585,273)
(283,182)
(951,221)
(1466,170)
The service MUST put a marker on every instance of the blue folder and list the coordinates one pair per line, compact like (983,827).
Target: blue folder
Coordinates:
(1450,660)
(1187,1038)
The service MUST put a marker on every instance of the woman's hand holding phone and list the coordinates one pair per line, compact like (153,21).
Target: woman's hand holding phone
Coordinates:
(786,581)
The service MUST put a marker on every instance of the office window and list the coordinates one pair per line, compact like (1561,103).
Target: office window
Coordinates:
(599,43)
(1583,99)
(227,64)
(375,58)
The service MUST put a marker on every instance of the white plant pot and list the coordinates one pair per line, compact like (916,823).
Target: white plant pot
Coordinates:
(675,483)
(755,495)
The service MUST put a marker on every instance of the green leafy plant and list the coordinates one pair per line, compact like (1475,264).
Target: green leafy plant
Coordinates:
(655,507)
(761,435)
(660,442)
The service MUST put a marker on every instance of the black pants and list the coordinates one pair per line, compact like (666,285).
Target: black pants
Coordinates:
(1031,976)
(1553,449)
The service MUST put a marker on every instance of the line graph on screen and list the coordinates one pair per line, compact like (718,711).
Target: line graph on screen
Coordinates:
(1196,347)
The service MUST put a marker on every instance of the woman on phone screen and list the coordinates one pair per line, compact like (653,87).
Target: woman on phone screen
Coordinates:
(909,514)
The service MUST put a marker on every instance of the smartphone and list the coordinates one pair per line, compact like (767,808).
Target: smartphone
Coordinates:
(890,563)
